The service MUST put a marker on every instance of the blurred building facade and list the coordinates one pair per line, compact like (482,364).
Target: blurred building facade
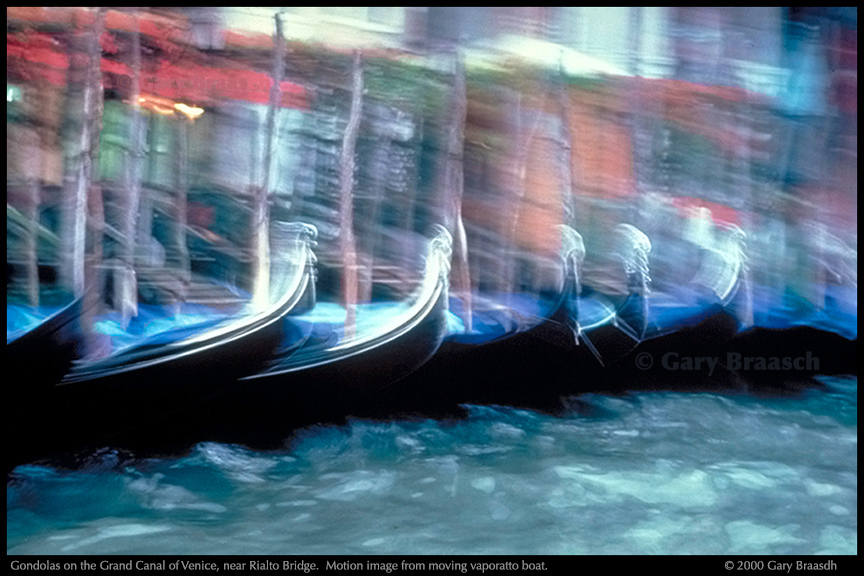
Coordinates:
(748,112)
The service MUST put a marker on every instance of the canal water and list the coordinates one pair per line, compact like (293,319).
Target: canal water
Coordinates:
(648,473)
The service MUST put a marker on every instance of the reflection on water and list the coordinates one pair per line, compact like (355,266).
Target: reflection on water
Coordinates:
(640,474)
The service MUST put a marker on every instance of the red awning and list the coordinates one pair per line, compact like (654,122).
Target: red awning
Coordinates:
(37,56)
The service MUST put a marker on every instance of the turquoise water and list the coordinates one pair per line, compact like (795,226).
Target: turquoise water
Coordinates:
(644,474)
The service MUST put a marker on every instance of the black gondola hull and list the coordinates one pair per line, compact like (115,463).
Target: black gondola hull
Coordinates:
(42,356)
(312,381)
(136,391)
(263,411)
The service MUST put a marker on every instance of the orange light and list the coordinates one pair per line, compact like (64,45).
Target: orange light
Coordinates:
(167,107)
(191,112)
(161,110)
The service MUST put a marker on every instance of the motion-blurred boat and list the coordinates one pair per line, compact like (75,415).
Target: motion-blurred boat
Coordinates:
(691,318)
(525,360)
(331,372)
(797,339)
(756,343)
(138,386)
(39,351)
(590,338)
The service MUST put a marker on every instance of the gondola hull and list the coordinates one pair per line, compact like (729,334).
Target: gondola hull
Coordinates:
(532,368)
(326,384)
(43,355)
(138,389)
(263,411)
(37,361)
(678,360)
(771,360)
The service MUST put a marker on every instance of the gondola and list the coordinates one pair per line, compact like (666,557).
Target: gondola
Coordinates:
(692,320)
(792,341)
(748,345)
(38,358)
(138,387)
(589,341)
(329,374)
(535,364)
(613,326)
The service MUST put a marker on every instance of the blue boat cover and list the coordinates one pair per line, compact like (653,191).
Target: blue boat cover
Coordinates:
(775,309)
(22,319)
